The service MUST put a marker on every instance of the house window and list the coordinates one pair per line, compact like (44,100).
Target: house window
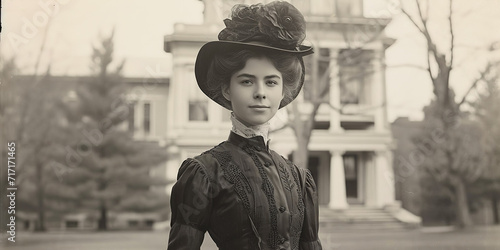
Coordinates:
(320,88)
(133,223)
(71,224)
(147,118)
(355,74)
(149,223)
(198,110)
(131,117)
(198,104)
(351,83)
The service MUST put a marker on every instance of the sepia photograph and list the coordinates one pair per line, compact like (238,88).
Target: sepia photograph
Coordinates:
(250,124)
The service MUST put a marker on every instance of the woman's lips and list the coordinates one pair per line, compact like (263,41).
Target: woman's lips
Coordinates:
(259,106)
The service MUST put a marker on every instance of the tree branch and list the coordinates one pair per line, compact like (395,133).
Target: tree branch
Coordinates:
(431,47)
(452,36)
(421,15)
(411,18)
(409,65)
(481,77)
(42,47)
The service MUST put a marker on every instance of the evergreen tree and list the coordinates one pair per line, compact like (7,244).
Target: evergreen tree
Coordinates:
(108,170)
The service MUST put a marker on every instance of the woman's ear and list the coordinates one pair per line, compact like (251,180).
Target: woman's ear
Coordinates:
(225,92)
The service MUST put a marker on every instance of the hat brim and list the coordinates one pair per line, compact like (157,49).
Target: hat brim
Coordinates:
(208,50)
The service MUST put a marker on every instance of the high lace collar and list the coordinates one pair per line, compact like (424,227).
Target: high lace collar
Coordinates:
(257,143)
(250,132)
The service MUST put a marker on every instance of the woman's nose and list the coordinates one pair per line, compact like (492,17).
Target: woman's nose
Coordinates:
(259,91)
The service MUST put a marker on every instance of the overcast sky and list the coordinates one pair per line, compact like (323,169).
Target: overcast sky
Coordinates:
(141,25)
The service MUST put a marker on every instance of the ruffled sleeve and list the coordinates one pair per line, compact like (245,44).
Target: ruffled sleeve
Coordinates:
(191,204)
(309,239)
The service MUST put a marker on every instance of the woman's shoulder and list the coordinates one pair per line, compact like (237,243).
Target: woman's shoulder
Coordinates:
(206,163)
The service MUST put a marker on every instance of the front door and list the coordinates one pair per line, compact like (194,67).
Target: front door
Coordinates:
(351,169)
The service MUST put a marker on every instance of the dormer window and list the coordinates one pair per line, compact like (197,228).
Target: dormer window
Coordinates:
(323,7)
(349,8)
(331,8)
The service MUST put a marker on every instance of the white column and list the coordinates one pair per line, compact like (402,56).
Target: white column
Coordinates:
(170,105)
(175,108)
(338,199)
(384,179)
(173,164)
(334,92)
(379,96)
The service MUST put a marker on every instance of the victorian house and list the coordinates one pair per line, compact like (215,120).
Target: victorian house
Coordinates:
(350,150)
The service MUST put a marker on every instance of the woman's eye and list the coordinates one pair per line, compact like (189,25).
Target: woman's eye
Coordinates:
(272,83)
(246,82)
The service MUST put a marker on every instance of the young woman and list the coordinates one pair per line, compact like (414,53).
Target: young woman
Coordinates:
(244,194)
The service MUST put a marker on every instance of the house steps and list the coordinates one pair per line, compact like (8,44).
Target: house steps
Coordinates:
(358,217)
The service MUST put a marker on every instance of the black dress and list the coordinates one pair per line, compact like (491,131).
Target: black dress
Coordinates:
(247,197)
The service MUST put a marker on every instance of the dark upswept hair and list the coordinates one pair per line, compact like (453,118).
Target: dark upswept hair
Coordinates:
(224,65)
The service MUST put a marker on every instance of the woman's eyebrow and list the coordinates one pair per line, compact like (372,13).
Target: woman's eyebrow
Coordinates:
(246,75)
(253,76)
(272,76)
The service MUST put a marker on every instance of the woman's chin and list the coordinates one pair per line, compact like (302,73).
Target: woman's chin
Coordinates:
(254,118)
(257,122)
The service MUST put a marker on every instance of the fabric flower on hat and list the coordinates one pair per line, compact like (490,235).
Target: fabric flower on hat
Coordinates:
(278,24)
(242,25)
(283,23)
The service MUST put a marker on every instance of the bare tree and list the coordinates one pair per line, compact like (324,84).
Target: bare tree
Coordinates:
(444,115)
(488,115)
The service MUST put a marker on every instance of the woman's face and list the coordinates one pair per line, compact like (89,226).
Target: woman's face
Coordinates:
(255,92)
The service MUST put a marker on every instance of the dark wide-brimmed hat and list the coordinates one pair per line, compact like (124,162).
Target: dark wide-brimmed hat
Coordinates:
(276,27)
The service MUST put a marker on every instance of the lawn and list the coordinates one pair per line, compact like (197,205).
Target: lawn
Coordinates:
(477,238)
